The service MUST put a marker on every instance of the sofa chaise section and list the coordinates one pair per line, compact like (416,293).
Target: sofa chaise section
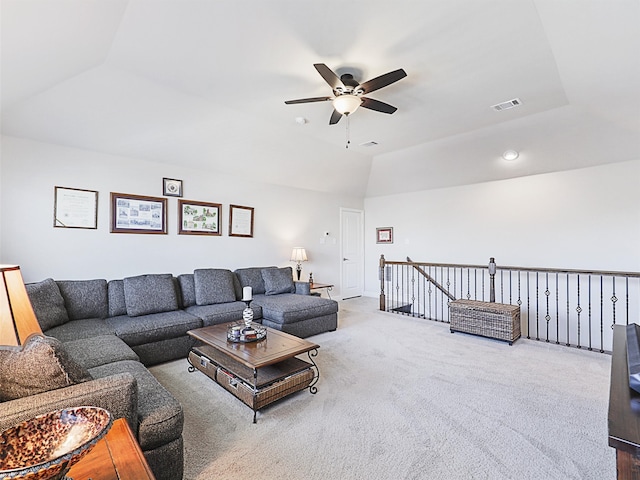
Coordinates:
(286,305)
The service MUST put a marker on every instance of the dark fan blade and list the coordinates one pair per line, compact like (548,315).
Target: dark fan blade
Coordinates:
(308,100)
(335,117)
(382,81)
(328,75)
(377,105)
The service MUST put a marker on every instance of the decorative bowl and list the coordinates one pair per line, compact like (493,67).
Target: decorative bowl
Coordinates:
(46,446)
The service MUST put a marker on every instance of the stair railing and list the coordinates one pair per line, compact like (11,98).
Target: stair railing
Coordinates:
(575,308)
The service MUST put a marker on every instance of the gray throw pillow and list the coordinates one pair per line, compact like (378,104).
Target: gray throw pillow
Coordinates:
(251,277)
(214,286)
(147,294)
(42,364)
(48,304)
(278,280)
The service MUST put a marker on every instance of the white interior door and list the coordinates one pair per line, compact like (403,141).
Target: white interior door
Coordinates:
(352,251)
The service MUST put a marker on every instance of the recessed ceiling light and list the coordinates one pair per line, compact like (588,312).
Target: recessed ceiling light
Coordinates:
(510,155)
(301,120)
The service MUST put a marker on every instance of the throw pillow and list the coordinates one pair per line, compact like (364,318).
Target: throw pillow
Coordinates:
(147,294)
(278,280)
(251,277)
(42,364)
(213,286)
(48,304)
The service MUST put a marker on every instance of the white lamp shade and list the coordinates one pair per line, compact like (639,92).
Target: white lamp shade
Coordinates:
(346,104)
(298,255)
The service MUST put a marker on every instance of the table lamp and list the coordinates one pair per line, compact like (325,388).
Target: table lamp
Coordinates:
(17,318)
(298,255)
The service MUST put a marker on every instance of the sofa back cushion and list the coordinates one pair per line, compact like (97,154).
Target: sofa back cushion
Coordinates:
(85,298)
(187,289)
(48,304)
(251,277)
(117,304)
(213,286)
(40,365)
(278,280)
(145,294)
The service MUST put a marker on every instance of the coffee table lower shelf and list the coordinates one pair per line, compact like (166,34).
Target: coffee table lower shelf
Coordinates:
(255,389)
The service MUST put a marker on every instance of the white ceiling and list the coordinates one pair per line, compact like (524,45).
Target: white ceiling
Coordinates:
(203,82)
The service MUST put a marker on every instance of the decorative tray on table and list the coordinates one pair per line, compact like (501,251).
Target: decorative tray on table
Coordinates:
(239,332)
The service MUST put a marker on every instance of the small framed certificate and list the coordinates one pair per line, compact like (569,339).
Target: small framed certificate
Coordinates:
(240,221)
(75,208)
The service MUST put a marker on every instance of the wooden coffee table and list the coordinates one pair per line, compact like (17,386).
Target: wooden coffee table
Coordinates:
(258,373)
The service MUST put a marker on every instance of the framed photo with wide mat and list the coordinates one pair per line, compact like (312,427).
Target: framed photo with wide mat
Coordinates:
(138,214)
(198,218)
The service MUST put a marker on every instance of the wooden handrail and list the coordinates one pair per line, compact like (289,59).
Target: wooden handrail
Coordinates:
(431,279)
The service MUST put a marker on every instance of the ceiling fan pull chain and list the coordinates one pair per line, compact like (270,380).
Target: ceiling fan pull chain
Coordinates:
(348,133)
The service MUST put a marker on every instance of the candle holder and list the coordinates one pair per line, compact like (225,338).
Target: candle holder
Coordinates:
(247,314)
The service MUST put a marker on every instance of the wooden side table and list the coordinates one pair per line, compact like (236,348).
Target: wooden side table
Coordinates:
(317,286)
(116,457)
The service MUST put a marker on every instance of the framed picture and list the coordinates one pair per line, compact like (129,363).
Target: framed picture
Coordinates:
(199,218)
(75,208)
(240,221)
(138,214)
(171,187)
(384,235)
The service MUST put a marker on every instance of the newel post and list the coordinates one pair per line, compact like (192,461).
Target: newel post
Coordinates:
(492,279)
(382,297)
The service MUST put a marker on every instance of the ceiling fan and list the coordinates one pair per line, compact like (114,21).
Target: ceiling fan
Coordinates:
(349,94)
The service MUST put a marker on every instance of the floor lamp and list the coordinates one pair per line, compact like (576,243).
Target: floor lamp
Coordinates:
(298,255)
(17,318)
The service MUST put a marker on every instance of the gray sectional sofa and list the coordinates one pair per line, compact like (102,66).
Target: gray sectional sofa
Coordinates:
(110,331)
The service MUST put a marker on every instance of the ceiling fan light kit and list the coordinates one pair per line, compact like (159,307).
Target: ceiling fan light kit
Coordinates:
(346,104)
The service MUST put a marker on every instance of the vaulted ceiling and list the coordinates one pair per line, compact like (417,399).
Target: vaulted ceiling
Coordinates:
(202,83)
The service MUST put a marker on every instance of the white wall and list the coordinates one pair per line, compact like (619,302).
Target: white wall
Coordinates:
(583,219)
(284,218)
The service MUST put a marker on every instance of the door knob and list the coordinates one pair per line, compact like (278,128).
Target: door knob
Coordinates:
(345,259)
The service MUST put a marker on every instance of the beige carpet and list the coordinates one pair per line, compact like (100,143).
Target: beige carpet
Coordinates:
(402,398)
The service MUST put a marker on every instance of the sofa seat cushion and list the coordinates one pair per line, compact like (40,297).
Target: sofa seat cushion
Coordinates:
(47,303)
(40,365)
(278,280)
(213,286)
(292,308)
(77,329)
(146,294)
(160,415)
(100,350)
(153,327)
(222,313)
(85,298)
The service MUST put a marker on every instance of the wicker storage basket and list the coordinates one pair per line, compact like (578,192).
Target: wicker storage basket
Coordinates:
(488,319)
(274,382)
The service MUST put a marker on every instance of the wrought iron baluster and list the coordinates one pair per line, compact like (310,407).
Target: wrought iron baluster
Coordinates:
(547,317)
(568,307)
(590,340)
(537,307)
(578,310)
(557,310)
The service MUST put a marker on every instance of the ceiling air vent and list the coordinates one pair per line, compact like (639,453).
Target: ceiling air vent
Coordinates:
(369,144)
(516,102)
